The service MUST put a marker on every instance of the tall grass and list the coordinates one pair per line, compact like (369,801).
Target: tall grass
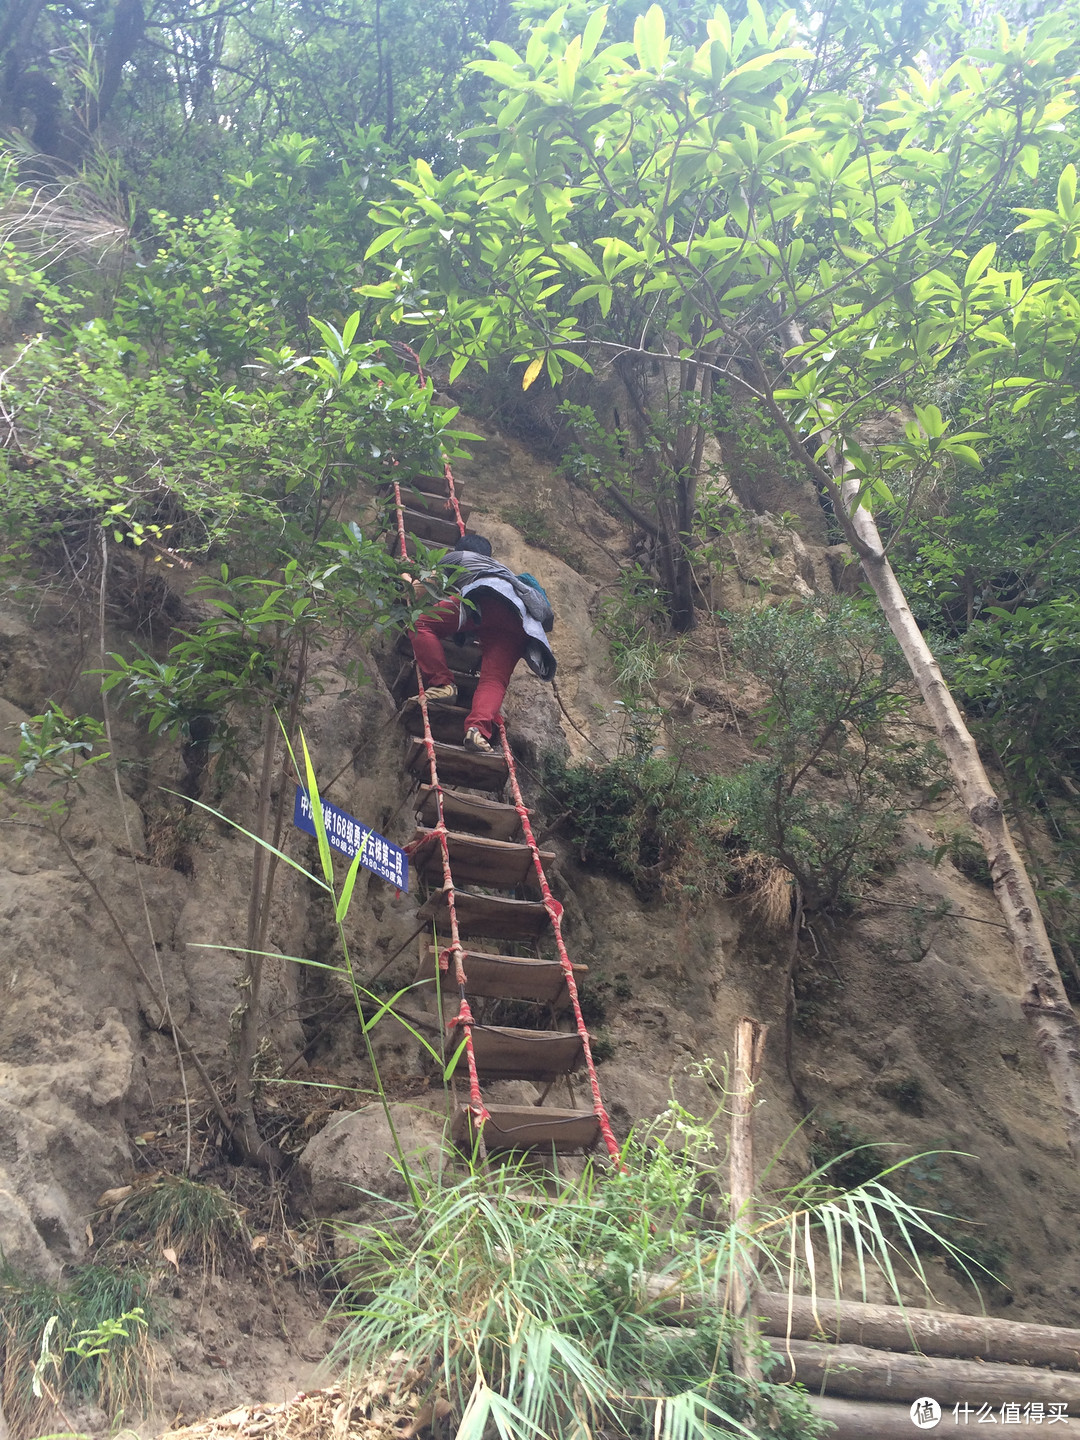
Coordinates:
(87,1341)
(543,1311)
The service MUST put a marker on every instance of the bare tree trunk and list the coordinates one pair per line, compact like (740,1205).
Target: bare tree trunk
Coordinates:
(942,1333)
(928,1332)
(1044,1002)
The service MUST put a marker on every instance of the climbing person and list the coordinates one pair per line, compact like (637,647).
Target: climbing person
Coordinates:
(508,614)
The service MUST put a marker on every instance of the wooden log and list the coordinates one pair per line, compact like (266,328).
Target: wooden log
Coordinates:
(860,1373)
(931,1332)
(867,1419)
(887,1327)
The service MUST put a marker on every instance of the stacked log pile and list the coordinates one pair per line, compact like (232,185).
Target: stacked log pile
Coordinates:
(866,1366)
(871,1362)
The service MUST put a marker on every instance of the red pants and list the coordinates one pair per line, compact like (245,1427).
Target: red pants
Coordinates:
(502,642)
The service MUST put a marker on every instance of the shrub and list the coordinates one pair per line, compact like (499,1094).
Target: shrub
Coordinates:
(828,795)
(647,818)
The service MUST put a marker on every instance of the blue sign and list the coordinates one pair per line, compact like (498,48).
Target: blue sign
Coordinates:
(347,835)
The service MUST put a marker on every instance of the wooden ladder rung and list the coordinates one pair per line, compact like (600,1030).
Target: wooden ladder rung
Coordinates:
(437,506)
(529,1127)
(429,528)
(447,721)
(470,812)
(476,860)
(432,484)
(505,977)
(458,765)
(505,1053)
(404,686)
(488,915)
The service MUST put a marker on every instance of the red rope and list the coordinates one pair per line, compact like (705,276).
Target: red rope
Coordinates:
(452,493)
(555,912)
(464,1015)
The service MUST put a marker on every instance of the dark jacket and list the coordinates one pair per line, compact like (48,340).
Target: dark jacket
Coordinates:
(475,572)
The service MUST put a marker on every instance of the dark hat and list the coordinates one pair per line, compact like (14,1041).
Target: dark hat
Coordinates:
(475,544)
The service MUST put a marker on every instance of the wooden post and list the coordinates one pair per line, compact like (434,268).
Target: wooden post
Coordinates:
(749,1046)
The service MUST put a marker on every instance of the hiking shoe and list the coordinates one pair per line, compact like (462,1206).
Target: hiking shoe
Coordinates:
(477,743)
(447,694)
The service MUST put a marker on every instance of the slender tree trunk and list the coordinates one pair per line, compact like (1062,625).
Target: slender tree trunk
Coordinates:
(1052,909)
(1044,1002)
(255,1147)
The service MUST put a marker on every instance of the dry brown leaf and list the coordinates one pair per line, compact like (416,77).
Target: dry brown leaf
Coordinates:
(170,1256)
(339,1422)
(259,1242)
(110,1197)
(90,1236)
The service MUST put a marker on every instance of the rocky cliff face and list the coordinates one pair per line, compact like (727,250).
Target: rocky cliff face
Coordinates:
(909,1028)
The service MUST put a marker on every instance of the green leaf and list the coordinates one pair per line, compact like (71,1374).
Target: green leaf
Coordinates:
(967,454)
(1066,192)
(451,1064)
(931,420)
(594,29)
(762,62)
(979,263)
(757,19)
(650,39)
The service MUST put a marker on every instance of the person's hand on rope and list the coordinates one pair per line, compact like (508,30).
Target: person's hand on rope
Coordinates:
(419,589)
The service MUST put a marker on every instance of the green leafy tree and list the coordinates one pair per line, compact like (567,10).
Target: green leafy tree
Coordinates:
(823,246)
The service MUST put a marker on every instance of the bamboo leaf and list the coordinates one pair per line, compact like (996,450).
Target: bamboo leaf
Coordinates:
(350,880)
(325,858)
